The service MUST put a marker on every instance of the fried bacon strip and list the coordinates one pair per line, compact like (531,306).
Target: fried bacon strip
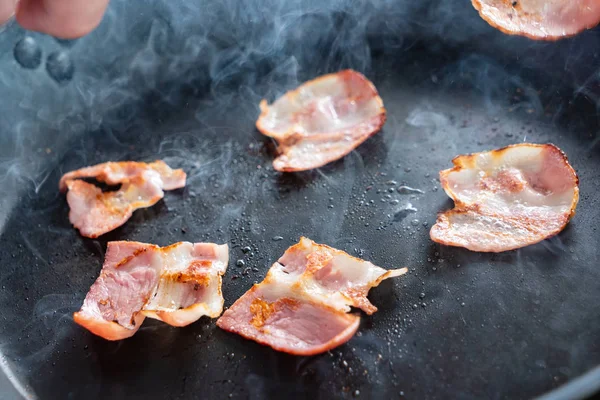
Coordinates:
(302,306)
(540,19)
(176,284)
(95,212)
(507,198)
(322,120)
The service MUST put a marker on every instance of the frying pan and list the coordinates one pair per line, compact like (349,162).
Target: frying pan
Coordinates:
(182,82)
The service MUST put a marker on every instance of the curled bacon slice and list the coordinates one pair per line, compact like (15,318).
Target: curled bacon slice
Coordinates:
(540,19)
(507,198)
(95,212)
(322,120)
(302,305)
(177,284)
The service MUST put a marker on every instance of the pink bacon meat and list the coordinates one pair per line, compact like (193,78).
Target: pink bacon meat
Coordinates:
(176,284)
(322,120)
(95,213)
(302,306)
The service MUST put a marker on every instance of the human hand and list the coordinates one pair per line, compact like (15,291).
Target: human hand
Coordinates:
(67,19)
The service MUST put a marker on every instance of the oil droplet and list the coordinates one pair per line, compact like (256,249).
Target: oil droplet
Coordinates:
(240,263)
(277,238)
(403,213)
(408,190)
(60,67)
(27,53)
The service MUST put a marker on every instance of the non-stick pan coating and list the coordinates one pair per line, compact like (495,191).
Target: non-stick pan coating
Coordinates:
(459,325)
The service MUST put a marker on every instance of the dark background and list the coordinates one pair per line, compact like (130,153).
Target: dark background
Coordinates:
(182,82)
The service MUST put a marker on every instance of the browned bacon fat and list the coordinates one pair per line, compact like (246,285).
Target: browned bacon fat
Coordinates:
(507,198)
(176,284)
(322,120)
(302,305)
(94,212)
(540,19)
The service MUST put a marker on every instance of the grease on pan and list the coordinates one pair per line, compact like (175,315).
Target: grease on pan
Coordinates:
(302,306)
(322,120)
(540,19)
(507,198)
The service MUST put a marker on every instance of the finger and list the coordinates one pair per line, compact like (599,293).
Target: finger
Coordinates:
(66,19)
(7,10)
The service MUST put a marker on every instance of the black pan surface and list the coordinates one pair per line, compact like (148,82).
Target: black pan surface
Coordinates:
(182,83)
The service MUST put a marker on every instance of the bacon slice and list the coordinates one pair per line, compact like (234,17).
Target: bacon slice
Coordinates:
(95,213)
(540,19)
(322,120)
(190,284)
(177,284)
(507,198)
(302,305)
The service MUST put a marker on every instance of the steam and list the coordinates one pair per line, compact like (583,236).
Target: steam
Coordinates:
(224,49)
(216,60)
